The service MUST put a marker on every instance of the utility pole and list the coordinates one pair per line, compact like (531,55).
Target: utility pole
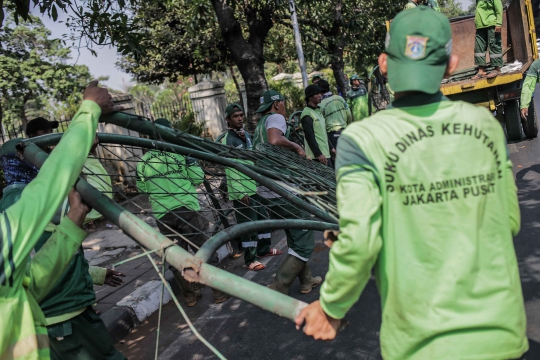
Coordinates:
(298,42)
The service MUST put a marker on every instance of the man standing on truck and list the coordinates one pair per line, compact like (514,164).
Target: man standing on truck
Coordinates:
(527,90)
(444,258)
(488,21)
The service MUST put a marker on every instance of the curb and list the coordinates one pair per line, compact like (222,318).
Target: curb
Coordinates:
(134,308)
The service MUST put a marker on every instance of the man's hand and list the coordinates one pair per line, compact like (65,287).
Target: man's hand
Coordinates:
(318,325)
(112,278)
(77,208)
(322,159)
(498,29)
(525,113)
(300,151)
(245,200)
(100,96)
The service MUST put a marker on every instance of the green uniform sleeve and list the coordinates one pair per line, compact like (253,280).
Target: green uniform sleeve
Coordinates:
(195,174)
(359,242)
(498,12)
(24,221)
(53,258)
(527,91)
(513,202)
(140,182)
(97,274)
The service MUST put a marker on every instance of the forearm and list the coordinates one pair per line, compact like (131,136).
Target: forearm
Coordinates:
(53,258)
(527,91)
(40,199)
(309,134)
(283,142)
(359,242)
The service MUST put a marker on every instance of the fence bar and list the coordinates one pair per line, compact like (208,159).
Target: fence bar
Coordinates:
(221,238)
(193,268)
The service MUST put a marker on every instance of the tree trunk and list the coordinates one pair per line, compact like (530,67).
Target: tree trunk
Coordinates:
(246,54)
(338,67)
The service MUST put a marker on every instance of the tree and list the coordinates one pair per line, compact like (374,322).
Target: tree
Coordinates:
(452,9)
(32,68)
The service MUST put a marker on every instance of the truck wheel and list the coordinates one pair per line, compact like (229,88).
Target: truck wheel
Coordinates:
(530,126)
(512,119)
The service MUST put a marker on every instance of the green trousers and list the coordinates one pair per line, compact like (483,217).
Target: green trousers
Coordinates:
(83,337)
(300,242)
(255,243)
(487,37)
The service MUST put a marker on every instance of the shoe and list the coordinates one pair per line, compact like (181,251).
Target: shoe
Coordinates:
(290,268)
(220,296)
(191,293)
(307,282)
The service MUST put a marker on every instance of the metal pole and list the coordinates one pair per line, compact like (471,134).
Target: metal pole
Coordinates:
(298,42)
(222,237)
(193,268)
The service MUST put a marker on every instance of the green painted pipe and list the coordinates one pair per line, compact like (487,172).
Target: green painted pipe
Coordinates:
(215,242)
(48,140)
(193,267)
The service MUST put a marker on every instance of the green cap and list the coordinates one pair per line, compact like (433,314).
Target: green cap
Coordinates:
(418,46)
(267,99)
(319,76)
(163,122)
(232,108)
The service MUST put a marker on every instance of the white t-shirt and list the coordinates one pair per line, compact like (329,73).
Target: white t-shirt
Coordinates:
(277,121)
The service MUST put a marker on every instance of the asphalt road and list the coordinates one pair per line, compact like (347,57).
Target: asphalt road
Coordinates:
(242,331)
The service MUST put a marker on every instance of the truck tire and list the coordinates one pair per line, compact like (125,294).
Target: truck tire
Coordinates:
(512,118)
(530,126)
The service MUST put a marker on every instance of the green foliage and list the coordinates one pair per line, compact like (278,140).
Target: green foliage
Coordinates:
(188,124)
(34,74)
(294,95)
(452,8)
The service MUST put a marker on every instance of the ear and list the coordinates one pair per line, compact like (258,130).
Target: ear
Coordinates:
(453,63)
(383,64)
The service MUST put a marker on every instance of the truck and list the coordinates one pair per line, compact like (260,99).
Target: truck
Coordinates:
(500,95)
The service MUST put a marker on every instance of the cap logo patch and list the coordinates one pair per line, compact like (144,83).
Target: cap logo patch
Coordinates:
(275,97)
(261,100)
(416,47)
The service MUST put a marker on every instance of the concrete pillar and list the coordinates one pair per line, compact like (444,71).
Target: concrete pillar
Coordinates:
(124,170)
(209,103)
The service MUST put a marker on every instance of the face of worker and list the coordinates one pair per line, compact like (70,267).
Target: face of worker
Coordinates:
(356,83)
(40,132)
(236,120)
(316,80)
(316,99)
(279,107)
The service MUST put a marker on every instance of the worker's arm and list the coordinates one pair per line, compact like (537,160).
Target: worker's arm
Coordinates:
(527,91)
(194,171)
(309,133)
(498,12)
(97,274)
(140,178)
(276,137)
(349,117)
(53,258)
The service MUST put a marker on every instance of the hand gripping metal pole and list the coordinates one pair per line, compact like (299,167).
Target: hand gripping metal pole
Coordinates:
(193,268)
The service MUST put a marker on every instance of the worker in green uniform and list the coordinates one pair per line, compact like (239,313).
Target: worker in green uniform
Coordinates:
(427,197)
(316,78)
(75,330)
(22,283)
(434,5)
(411,4)
(242,191)
(314,126)
(336,112)
(169,179)
(527,90)
(272,128)
(357,98)
(488,21)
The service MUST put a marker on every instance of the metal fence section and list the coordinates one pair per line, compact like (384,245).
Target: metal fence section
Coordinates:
(12,131)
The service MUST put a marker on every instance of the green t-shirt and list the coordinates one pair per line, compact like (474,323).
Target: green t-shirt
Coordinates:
(336,113)
(358,102)
(488,13)
(426,196)
(170,181)
(238,184)
(319,128)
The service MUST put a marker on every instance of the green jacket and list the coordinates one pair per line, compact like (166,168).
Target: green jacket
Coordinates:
(358,102)
(23,334)
(260,136)
(238,184)
(488,13)
(319,127)
(336,112)
(529,84)
(170,181)
(434,5)
(436,223)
